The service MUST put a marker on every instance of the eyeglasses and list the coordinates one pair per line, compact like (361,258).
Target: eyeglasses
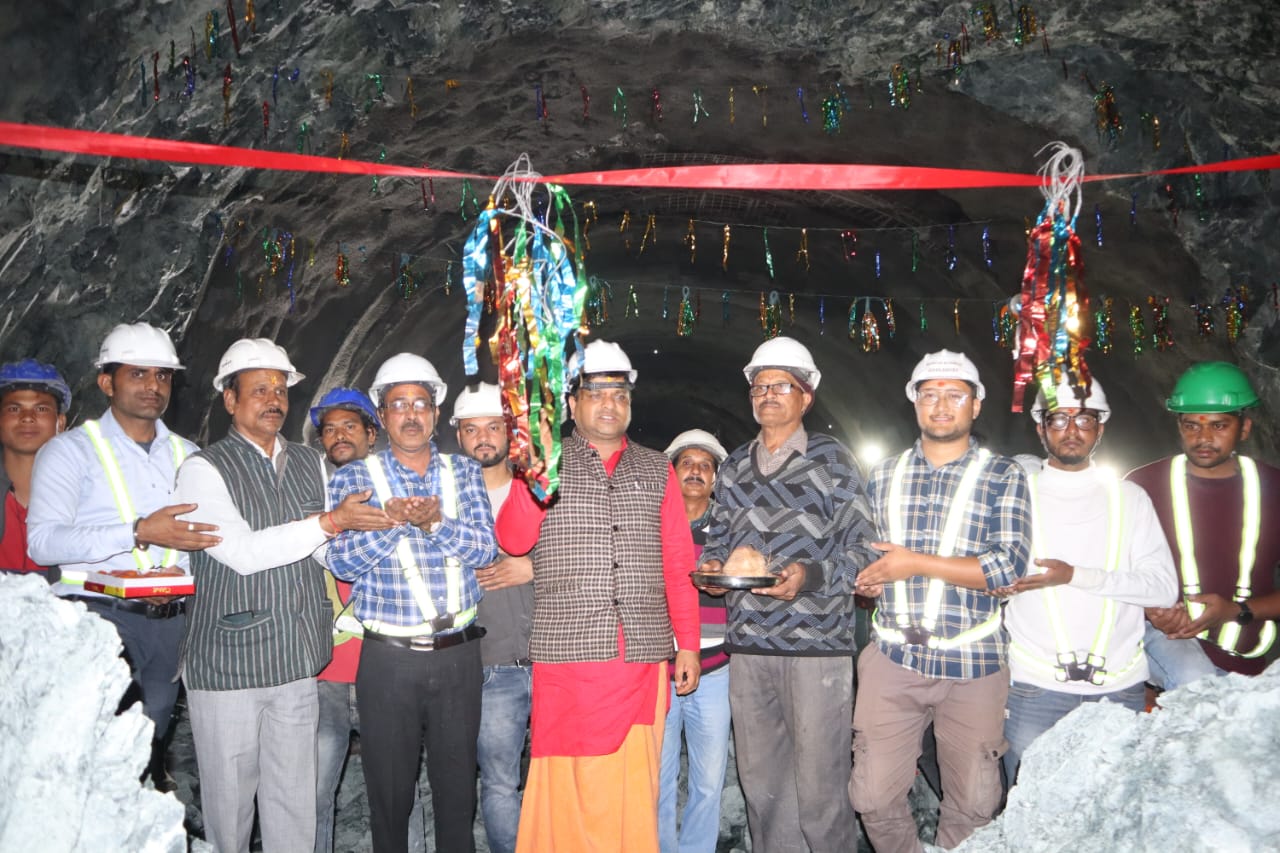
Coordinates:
(933,398)
(1085,421)
(781,389)
(417,404)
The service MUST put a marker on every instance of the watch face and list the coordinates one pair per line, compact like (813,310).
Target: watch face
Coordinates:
(1245,616)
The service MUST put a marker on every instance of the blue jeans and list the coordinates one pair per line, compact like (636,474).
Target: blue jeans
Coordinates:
(1032,711)
(1176,662)
(504,721)
(703,716)
(338,719)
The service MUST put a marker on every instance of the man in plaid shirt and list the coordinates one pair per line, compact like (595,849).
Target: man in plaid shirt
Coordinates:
(956,525)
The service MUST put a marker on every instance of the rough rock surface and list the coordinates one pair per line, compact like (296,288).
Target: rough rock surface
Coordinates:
(1200,774)
(69,766)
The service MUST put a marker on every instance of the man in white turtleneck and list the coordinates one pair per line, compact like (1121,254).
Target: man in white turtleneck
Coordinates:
(1076,620)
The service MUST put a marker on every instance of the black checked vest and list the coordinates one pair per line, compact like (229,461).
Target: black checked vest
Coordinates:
(598,561)
(271,627)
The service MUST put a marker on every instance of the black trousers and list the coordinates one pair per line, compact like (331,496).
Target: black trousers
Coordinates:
(407,700)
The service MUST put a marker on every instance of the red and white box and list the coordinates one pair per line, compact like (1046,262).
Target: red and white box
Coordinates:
(142,586)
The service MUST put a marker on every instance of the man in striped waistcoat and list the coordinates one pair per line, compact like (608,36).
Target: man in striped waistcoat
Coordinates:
(259,625)
(611,559)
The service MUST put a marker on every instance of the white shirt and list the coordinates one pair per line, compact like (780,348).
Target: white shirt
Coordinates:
(1073,523)
(244,550)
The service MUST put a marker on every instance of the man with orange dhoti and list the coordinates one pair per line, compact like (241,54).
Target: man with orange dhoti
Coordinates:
(611,555)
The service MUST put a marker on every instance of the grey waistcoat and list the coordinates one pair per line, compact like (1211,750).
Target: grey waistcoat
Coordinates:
(271,627)
(598,560)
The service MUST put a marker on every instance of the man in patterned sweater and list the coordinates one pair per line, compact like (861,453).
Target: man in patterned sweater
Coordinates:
(797,498)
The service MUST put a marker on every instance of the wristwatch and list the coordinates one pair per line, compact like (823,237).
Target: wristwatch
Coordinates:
(1245,616)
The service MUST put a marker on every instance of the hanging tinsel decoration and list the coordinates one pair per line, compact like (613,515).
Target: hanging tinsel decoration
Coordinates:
(890,321)
(1234,302)
(633,303)
(666,311)
(586,103)
(1137,329)
(328,87)
(542,290)
(768,254)
(791,308)
(732,112)
(1054,316)
(990,22)
(870,328)
(988,253)
(724,307)
(822,315)
(1026,27)
(1107,114)
(762,92)
(1097,224)
(915,251)
(831,115)
(924,318)
(340,272)
(266,119)
(724,253)
(1104,327)
(853,327)
(210,35)
(952,259)
(899,87)
(382,158)
(413,105)
(448,278)
(1008,334)
(620,106)
(624,228)
(691,242)
(650,236)
(804,111)
(1161,336)
(190,74)
(1133,210)
(599,295)
(698,109)
(468,195)
(589,216)
(849,240)
(1203,312)
(955,314)
(877,264)
(802,254)
(1150,124)
(655,109)
(226,95)
(770,315)
(685,318)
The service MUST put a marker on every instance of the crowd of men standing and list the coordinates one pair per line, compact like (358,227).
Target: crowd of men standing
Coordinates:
(432,603)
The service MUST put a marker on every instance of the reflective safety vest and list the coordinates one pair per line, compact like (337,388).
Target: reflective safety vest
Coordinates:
(903,631)
(432,621)
(1228,634)
(120,491)
(1067,665)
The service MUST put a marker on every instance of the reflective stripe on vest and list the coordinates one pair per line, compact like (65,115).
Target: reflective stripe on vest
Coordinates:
(120,491)
(412,574)
(1228,634)
(1067,666)
(946,548)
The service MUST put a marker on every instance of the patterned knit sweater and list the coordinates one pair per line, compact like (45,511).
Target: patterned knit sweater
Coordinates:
(813,511)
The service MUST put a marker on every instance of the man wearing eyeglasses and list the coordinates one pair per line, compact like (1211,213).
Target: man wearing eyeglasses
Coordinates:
(415,588)
(1076,620)
(611,556)
(797,499)
(955,528)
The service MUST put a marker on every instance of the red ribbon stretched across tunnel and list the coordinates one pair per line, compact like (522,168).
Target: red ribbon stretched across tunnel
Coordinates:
(758,176)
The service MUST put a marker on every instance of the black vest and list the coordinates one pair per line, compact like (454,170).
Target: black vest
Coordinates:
(271,627)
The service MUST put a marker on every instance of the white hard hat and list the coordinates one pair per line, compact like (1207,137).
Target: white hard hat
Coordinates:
(255,354)
(787,354)
(699,438)
(601,357)
(945,364)
(1069,398)
(483,401)
(407,367)
(140,345)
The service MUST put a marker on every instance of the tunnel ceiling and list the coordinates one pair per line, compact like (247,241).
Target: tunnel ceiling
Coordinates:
(87,243)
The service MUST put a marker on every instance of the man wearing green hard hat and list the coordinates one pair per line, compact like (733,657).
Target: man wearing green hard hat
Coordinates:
(1220,511)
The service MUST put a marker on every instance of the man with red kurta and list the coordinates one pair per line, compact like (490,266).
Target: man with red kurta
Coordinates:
(611,554)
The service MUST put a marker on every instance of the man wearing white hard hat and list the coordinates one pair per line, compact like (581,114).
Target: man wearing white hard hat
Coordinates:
(699,720)
(260,627)
(611,556)
(415,588)
(955,527)
(506,612)
(102,501)
(793,502)
(1076,619)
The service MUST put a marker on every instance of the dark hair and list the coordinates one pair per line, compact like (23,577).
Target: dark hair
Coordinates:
(111,367)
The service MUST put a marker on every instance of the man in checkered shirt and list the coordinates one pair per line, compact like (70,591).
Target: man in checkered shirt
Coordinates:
(955,520)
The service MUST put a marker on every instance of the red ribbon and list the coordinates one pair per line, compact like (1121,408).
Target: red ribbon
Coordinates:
(761,176)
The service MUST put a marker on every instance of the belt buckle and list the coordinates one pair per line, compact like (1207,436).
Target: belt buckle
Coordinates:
(422,642)
(916,635)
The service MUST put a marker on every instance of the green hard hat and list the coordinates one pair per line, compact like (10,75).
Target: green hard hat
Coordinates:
(1211,387)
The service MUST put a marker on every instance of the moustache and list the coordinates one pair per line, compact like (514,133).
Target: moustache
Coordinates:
(695,479)
(273,411)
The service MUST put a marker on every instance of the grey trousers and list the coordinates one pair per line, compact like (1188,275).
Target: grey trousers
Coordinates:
(791,727)
(257,742)
(895,705)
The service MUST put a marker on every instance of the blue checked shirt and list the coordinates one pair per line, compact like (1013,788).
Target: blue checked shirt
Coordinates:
(996,530)
(368,558)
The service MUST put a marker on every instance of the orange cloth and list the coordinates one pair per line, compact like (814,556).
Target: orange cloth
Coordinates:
(598,803)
